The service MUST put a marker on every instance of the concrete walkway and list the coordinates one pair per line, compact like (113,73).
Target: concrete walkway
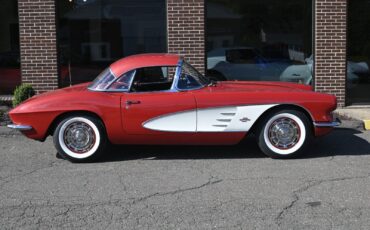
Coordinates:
(360,113)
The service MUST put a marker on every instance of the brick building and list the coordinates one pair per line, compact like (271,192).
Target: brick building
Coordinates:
(55,43)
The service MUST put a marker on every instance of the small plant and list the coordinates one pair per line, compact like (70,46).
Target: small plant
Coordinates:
(22,93)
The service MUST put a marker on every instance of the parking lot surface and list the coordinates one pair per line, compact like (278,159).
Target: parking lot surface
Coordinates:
(188,187)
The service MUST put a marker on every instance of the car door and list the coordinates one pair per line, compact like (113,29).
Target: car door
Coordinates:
(158,112)
(151,108)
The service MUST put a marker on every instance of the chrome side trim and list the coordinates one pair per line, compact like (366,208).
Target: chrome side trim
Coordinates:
(335,123)
(177,75)
(20,127)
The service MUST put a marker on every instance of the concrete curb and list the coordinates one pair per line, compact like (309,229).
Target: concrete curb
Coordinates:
(358,114)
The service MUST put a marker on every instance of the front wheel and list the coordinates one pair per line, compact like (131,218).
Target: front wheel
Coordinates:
(80,138)
(284,134)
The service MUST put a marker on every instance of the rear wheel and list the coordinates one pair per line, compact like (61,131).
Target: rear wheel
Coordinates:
(284,134)
(80,138)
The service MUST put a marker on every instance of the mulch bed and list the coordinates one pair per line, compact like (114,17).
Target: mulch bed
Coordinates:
(4,117)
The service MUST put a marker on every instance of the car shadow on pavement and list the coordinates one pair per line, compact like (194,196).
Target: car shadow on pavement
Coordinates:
(246,149)
(342,141)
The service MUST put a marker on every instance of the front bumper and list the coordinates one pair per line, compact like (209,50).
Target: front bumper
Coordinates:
(20,127)
(335,123)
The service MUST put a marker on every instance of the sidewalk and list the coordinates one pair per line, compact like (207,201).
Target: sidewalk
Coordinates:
(361,114)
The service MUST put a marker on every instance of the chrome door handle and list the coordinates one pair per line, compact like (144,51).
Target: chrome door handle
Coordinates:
(132,102)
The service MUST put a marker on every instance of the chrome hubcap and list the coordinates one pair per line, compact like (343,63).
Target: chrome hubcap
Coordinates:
(79,137)
(284,133)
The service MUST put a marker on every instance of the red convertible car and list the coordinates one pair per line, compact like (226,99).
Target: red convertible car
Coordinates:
(160,99)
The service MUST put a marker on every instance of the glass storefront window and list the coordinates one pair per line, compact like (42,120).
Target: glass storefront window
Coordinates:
(10,74)
(358,63)
(260,40)
(94,33)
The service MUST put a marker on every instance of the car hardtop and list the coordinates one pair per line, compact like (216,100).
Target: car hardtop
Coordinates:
(126,64)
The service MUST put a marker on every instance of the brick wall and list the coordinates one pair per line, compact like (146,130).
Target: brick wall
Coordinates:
(38,43)
(186,36)
(330,47)
(185,20)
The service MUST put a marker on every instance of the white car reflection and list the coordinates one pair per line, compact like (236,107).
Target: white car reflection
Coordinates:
(303,73)
(243,63)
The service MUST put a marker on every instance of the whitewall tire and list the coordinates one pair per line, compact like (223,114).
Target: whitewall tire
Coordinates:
(80,138)
(284,134)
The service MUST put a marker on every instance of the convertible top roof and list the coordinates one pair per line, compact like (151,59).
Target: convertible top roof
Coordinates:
(143,60)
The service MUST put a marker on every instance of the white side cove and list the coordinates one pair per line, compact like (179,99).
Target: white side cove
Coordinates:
(174,122)
(223,119)
(229,119)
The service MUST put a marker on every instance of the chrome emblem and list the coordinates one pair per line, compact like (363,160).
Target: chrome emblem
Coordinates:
(245,119)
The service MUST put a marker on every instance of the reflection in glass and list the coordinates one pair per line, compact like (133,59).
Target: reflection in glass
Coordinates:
(103,80)
(10,74)
(358,74)
(264,40)
(92,34)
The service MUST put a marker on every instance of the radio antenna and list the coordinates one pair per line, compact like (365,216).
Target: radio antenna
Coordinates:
(69,73)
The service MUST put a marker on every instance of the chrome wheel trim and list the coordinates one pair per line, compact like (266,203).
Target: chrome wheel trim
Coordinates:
(79,137)
(284,133)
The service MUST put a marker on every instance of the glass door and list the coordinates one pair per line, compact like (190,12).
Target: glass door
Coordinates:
(358,57)
(10,73)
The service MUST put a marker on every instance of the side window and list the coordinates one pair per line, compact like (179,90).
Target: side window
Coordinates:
(123,83)
(149,79)
(187,80)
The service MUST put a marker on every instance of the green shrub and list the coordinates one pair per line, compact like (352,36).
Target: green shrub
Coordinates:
(22,93)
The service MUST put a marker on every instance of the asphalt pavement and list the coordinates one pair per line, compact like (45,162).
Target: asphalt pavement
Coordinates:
(188,187)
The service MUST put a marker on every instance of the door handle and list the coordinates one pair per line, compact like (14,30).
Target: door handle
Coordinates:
(132,102)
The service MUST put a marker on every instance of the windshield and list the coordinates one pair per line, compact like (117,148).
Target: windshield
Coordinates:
(103,81)
(194,73)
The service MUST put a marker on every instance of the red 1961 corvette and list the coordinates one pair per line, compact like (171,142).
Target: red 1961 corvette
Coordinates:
(160,99)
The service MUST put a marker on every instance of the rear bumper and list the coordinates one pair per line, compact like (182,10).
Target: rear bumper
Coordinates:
(332,124)
(20,127)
